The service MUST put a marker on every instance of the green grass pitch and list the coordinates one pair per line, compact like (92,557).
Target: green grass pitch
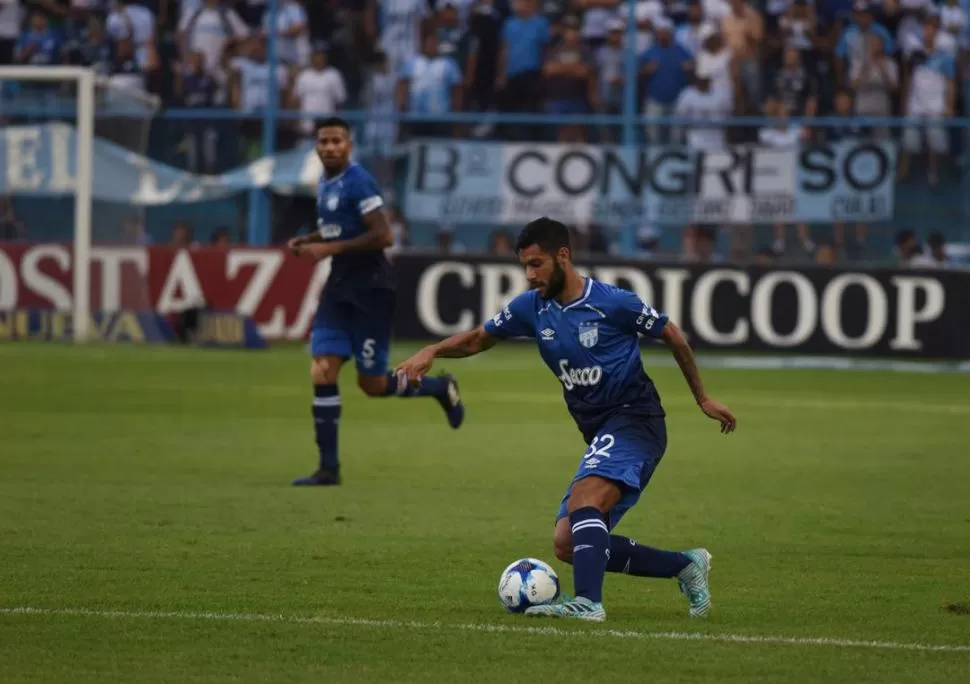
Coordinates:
(146,513)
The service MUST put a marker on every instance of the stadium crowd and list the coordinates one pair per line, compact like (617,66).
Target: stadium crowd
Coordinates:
(697,60)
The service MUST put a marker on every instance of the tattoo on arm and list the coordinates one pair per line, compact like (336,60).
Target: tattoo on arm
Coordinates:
(465,344)
(685,358)
(377,237)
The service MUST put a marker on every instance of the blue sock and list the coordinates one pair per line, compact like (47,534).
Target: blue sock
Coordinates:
(326,416)
(643,561)
(591,549)
(429,387)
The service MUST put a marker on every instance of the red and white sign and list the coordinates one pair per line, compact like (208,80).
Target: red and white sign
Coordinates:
(271,286)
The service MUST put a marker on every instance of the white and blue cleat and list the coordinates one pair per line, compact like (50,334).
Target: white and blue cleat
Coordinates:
(693,582)
(578,608)
(451,402)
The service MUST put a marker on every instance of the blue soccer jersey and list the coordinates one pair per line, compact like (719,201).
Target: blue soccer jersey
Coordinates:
(356,311)
(592,346)
(342,203)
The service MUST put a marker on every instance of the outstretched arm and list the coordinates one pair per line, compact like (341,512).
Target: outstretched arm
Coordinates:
(684,355)
(464,344)
(455,347)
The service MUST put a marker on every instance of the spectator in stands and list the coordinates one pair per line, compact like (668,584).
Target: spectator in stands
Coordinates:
(181,235)
(318,91)
(134,22)
(937,244)
(797,29)
(11,228)
(666,67)
(795,86)
(483,42)
(844,107)
(851,46)
(596,14)
(127,73)
(133,232)
(449,26)
(782,134)
(555,10)
(699,245)
(610,60)
(909,252)
(953,19)
(209,29)
(825,255)
(39,45)
(250,89)
(594,238)
(701,101)
(195,88)
(930,96)
(524,39)
(401,23)
(569,80)
(220,238)
(430,85)
(647,242)
(400,231)
(644,14)
(91,48)
(904,19)
(445,241)
(716,62)
(875,80)
(251,11)
(380,130)
(10,18)
(500,243)
(743,31)
(688,34)
(765,256)
(292,32)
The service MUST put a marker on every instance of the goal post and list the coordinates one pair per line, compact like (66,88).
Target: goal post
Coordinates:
(83,80)
(93,107)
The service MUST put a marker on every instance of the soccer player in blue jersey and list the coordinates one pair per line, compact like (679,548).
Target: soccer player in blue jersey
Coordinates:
(587,333)
(356,310)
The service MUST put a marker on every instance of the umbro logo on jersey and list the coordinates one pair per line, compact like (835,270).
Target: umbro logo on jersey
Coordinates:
(547,334)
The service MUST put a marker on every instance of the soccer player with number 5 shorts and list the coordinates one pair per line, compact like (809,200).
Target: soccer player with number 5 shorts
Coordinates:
(356,309)
(588,334)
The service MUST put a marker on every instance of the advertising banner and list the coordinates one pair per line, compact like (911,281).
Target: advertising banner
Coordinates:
(881,312)
(493,183)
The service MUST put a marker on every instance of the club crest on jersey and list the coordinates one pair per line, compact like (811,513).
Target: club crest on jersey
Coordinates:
(332,201)
(589,334)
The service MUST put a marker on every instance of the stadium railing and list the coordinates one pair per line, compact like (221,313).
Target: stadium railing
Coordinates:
(212,141)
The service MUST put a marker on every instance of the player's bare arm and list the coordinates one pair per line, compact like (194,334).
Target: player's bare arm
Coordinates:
(455,347)
(295,244)
(675,340)
(377,237)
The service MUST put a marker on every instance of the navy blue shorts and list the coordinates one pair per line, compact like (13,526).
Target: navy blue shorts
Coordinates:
(626,449)
(357,326)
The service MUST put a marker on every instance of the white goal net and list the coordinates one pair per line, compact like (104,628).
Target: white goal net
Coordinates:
(69,140)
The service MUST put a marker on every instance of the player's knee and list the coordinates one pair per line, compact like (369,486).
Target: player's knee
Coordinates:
(323,371)
(594,492)
(372,385)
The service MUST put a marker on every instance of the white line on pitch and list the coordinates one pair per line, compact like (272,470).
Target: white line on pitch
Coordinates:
(455,627)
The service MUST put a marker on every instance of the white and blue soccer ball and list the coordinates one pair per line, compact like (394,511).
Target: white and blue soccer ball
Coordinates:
(527,582)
